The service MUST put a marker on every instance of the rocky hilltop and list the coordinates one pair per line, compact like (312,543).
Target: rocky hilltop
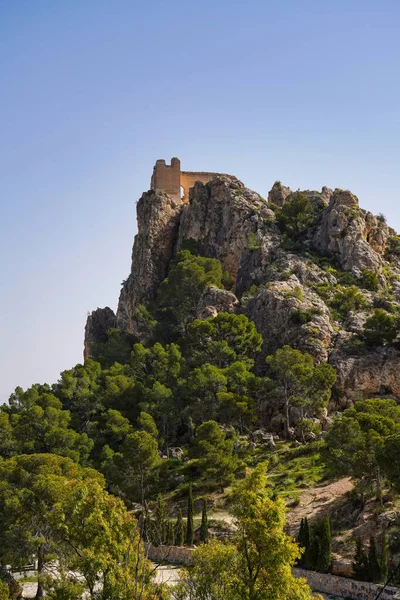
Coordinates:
(311,280)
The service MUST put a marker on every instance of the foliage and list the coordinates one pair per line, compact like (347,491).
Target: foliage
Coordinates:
(355,445)
(204,523)
(347,299)
(180,293)
(381,328)
(179,530)
(297,382)
(295,216)
(212,454)
(257,565)
(360,561)
(369,280)
(117,348)
(222,340)
(189,522)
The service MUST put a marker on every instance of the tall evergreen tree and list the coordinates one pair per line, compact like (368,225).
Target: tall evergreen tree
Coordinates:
(189,524)
(325,557)
(204,523)
(170,535)
(384,558)
(160,521)
(306,542)
(374,568)
(179,531)
(360,562)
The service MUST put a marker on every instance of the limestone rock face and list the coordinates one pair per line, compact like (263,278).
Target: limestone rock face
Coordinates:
(278,194)
(97,325)
(222,217)
(213,301)
(158,220)
(354,236)
(288,313)
(376,372)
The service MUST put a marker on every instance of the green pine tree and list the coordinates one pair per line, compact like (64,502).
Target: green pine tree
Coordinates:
(170,537)
(314,552)
(374,568)
(384,558)
(360,561)
(325,556)
(160,521)
(179,530)
(189,524)
(204,524)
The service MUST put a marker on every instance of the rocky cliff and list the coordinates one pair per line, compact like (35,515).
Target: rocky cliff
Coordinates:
(291,290)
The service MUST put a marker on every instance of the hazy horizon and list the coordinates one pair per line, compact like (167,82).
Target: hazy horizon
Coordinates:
(93,93)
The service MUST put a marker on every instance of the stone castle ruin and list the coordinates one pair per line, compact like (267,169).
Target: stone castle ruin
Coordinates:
(174,182)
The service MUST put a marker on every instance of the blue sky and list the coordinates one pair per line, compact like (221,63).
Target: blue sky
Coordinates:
(93,92)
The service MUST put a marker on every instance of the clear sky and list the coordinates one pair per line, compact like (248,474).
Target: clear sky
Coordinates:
(94,91)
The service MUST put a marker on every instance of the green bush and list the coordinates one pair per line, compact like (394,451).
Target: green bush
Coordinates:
(381,328)
(348,299)
(369,280)
(295,216)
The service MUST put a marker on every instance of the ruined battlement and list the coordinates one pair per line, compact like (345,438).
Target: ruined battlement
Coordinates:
(174,182)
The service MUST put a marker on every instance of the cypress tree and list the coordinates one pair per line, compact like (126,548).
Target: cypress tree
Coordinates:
(300,537)
(384,558)
(160,521)
(170,534)
(314,552)
(325,557)
(374,569)
(306,542)
(189,524)
(360,562)
(179,533)
(204,524)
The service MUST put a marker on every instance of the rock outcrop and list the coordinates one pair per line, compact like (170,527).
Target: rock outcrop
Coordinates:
(158,220)
(287,292)
(97,325)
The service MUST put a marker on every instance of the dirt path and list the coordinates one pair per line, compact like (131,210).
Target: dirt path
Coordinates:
(317,501)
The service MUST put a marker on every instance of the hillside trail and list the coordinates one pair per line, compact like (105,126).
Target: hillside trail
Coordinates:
(317,501)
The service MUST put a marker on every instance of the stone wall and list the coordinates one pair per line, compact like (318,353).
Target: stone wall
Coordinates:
(346,588)
(170,179)
(177,555)
(189,178)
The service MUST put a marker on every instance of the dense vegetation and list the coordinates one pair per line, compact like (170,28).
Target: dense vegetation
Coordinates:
(176,417)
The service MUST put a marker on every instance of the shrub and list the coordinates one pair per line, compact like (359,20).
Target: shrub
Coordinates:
(380,328)
(295,216)
(252,241)
(348,299)
(369,280)
(393,245)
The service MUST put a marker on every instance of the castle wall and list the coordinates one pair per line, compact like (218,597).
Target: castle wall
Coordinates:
(189,178)
(166,178)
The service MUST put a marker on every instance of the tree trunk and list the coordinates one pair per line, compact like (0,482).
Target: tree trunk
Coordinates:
(39,593)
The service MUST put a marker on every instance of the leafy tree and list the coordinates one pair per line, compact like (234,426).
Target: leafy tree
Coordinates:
(117,349)
(180,293)
(33,489)
(360,562)
(201,390)
(297,382)
(303,539)
(204,523)
(295,216)
(39,424)
(388,456)
(348,299)
(135,467)
(355,443)
(257,565)
(381,328)
(146,422)
(222,340)
(179,530)
(189,522)
(170,536)
(212,454)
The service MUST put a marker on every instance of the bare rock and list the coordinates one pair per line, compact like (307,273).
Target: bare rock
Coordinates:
(214,300)
(97,325)
(158,220)
(278,194)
